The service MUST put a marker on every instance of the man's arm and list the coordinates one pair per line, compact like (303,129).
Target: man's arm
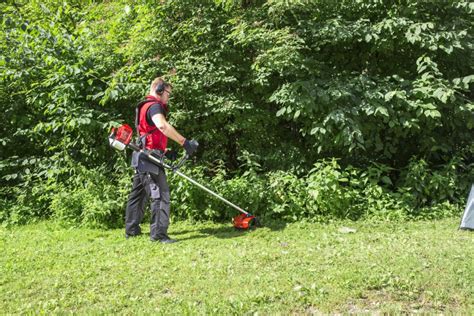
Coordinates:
(167,129)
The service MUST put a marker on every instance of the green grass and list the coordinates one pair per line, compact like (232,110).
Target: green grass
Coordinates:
(425,266)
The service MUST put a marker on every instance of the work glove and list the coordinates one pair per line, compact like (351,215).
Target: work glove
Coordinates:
(190,146)
(171,155)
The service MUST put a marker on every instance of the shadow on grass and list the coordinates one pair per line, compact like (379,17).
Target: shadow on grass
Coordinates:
(226,231)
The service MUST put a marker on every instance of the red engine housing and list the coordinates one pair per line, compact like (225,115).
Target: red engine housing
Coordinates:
(120,137)
(244,221)
(124,134)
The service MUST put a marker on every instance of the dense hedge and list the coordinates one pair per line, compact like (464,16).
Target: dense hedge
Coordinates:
(269,88)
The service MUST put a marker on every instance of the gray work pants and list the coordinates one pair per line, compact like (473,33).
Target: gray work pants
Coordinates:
(149,186)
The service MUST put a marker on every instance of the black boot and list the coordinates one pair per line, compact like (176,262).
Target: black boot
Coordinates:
(164,240)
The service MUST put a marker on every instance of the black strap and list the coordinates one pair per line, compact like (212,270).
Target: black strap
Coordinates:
(137,113)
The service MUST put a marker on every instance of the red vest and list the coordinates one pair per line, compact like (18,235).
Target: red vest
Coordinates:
(156,139)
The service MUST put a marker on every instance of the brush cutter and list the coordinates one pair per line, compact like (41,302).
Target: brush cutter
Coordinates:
(121,138)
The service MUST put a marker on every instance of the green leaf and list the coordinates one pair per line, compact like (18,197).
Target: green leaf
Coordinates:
(468,79)
(433,113)
(382,110)
(390,95)
(281,111)
(297,114)
(386,180)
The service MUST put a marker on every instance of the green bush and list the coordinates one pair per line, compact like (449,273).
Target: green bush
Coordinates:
(379,94)
(93,201)
(329,191)
(426,186)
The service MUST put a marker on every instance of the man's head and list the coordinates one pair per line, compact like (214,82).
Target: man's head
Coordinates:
(160,89)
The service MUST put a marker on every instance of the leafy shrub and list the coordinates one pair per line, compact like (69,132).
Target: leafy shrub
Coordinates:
(328,194)
(375,202)
(24,203)
(91,199)
(426,187)
(269,87)
(287,196)
(88,207)
(95,202)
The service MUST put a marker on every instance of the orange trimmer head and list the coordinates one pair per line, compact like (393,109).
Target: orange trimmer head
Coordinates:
(245,221)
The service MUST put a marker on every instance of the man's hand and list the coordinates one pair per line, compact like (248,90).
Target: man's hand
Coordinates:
(190,146)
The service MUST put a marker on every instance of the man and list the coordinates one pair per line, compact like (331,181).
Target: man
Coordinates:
(149,180)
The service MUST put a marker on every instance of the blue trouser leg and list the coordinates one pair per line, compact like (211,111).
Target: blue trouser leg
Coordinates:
(154,186)
(160,206)
(135,205)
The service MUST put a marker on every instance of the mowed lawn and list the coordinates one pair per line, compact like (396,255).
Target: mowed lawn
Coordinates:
(299,268)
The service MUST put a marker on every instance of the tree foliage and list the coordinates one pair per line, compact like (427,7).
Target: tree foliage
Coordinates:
(267,86)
